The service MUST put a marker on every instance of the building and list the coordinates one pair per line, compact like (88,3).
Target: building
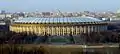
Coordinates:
(3,28)
(5,16)
(3,11)
(118,11)
(58,26)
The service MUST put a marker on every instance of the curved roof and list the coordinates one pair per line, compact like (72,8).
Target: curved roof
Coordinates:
(56,20)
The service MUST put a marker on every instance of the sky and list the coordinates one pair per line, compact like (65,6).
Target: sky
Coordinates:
(63,5)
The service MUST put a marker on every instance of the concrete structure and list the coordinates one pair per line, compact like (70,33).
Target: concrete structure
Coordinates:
(118,11)
(58,26)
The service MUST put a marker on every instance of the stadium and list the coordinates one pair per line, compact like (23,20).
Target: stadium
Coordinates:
(58,26)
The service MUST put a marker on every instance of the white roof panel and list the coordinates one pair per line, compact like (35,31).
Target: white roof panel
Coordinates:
(56,20)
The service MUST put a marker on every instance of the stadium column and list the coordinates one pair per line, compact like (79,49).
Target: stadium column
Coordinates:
(94,28)
(72,30)
(11,28)
(14,28)
(32,28)
(91,28)
(48,30)
(88,29)
(21,28)
(68,28)
(26,27)
(76,30)
(84,29)
(67,32)
(17,29)
(79,29)
(59,30)
(29,29)
(52,30)
(35,29)
(44,28)
(55,32)
(63,30)
(39,30)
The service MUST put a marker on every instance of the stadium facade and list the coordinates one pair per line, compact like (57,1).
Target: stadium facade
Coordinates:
(58,26)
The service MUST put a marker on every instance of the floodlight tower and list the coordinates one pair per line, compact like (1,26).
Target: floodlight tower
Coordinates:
(60,13)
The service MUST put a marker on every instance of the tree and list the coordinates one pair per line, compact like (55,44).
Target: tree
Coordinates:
(118,15)
(45,37)
(72,38)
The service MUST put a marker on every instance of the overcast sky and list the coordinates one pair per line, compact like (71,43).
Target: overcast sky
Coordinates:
(63,5)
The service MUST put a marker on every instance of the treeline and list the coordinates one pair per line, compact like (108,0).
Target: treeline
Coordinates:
(102,37)
(93,37)
(20,49)
(20,38)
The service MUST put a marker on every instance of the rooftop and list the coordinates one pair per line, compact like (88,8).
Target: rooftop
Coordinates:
(56,20)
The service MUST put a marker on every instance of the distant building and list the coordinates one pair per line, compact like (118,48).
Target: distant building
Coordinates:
(17,15)
(58,26)
(3,26)
(46,13)
(3,12)
(5,15)
(118,11)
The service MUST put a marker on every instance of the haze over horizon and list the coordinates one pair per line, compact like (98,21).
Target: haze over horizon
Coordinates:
(63,5)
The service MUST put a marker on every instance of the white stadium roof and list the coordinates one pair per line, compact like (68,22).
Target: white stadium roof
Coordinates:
(56,20)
